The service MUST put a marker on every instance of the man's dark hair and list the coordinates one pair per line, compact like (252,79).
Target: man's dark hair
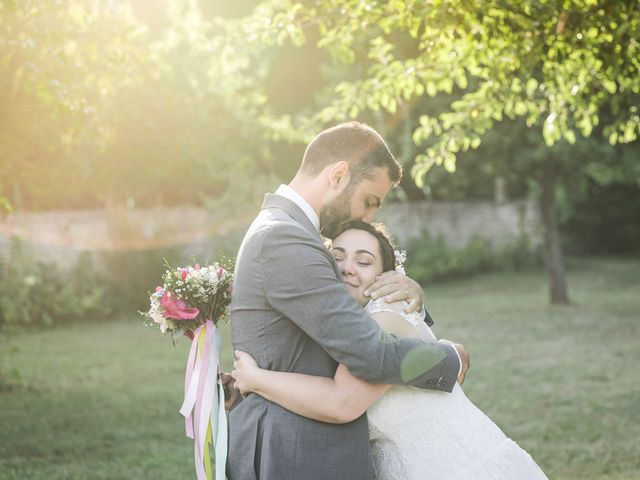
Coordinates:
(353,142)
(379,231)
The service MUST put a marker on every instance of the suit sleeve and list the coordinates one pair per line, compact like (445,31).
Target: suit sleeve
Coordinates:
(300,283)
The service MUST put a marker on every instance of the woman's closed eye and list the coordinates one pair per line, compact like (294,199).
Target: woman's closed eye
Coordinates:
(364,259)
(338,254)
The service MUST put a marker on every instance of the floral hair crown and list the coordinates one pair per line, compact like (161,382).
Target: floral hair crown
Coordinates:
(401,257)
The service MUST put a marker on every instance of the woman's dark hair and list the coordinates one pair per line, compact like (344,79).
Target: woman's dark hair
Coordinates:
(379,231)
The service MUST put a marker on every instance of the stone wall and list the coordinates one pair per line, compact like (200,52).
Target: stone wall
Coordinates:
(60,236)
(458,222)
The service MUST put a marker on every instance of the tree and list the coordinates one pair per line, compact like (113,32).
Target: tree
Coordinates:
(98,110)
(565,67)
(61,64)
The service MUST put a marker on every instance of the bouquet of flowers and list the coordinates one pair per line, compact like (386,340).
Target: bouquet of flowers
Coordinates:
(191,301)
(190,296)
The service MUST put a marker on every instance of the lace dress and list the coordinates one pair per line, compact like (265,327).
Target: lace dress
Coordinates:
(421,435)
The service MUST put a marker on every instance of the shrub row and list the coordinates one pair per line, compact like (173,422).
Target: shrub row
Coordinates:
(36,293)
(430,258)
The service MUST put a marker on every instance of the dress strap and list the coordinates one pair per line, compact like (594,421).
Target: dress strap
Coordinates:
(379,305)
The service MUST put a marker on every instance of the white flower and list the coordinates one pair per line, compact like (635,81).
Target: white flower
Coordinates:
(401,257)
(213,277)
(155,312)
(158,318)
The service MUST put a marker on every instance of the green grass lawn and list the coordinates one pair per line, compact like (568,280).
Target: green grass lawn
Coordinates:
(100,401)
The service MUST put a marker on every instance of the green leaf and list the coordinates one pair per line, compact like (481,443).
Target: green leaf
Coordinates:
(550,130)
(629,132)
(450,163)
(461,81)
(520,108)
(610,86)
(391,107)
(432,91)
(569,136)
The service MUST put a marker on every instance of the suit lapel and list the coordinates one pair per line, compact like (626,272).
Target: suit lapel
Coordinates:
(294,211)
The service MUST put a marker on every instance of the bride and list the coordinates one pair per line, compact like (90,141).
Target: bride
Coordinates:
(415,434)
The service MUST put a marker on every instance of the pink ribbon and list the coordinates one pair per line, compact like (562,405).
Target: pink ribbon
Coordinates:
(201,405)
(187,406)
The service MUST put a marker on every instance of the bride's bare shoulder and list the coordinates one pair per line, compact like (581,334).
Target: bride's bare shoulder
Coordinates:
(391,319)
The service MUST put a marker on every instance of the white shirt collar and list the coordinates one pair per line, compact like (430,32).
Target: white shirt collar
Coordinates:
(287,192)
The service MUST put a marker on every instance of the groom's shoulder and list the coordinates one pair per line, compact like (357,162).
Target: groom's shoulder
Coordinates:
(272,227)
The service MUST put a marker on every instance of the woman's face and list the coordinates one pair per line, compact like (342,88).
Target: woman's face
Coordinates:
(358,255)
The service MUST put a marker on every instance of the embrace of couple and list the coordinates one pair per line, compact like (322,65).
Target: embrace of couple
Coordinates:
(342,376)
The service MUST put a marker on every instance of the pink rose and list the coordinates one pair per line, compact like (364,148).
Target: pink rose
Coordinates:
(183,274)
(176,308)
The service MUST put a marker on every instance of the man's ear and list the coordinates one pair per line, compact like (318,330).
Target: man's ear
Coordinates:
(339,174)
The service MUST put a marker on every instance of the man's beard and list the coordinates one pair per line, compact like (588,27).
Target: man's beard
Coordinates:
(336,213)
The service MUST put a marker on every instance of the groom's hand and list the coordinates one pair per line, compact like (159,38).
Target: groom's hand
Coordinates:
(231,393)
(394,286)
(464,358)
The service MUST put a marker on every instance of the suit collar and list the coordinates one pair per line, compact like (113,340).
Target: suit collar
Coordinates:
(287,192)
(272,200)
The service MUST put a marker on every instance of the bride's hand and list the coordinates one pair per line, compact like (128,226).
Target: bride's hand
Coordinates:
(245,369)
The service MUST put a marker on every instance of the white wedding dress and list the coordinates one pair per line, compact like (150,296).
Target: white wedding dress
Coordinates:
(420,434)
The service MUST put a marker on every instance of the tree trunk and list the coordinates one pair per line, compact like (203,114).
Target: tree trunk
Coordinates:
(553,260)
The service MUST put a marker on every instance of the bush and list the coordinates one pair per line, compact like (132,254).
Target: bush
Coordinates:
(35,293)
(601,219)
(39,293)
(429,258)
(134,274)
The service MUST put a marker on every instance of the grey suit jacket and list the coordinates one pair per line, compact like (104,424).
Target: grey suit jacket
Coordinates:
(291,311)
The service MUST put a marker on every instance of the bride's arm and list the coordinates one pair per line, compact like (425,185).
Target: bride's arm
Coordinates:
(340,399)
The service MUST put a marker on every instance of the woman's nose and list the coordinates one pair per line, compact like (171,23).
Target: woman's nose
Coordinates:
(347,267)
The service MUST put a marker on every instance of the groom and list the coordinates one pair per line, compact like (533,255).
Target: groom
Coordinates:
(291,311)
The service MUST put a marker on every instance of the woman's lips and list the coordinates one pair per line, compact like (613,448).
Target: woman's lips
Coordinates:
(351,284)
